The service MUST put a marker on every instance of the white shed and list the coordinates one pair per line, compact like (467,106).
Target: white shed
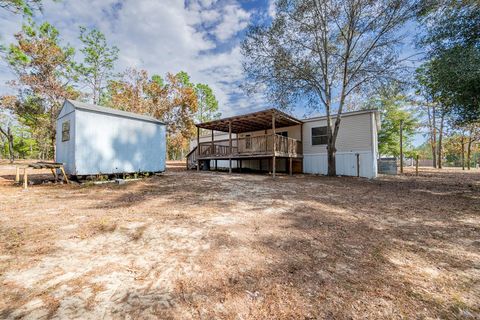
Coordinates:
(97,140)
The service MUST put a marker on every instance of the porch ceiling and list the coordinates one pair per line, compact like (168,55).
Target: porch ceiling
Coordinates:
(255,121)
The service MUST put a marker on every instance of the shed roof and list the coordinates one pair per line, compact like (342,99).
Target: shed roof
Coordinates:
(255,121)
(105,110)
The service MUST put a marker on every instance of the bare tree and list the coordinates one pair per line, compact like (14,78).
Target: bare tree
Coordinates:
(9,136)
(322,51)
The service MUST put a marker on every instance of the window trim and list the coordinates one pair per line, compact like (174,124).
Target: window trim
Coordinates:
(66,130)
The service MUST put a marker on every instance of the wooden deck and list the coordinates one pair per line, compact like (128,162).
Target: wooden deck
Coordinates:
(251,147)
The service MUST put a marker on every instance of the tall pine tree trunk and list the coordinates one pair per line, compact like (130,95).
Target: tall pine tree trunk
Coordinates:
(440,136)
(10,144)
(433,137)
(469,150)
(9,136)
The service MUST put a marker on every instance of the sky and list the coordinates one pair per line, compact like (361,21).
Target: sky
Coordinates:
(201,37)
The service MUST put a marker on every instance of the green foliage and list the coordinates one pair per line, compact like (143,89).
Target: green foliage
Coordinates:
(46,75)
(98,61)
(24,143)
(452,41)
(392,104)
(184,79)
(424,151)
(25,7)
(158,80)
(207,103)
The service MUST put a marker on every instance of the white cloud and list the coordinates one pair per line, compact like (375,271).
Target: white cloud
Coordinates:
(234,20)
(272,9)
(160,36)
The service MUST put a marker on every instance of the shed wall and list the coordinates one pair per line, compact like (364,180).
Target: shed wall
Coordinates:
(65,150)
(113,144)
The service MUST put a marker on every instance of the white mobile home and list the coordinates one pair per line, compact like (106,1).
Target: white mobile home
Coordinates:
(97,140)
(271,140)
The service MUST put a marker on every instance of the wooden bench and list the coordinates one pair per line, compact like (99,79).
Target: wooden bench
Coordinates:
(40,165)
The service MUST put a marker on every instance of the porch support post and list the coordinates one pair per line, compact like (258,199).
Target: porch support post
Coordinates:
(274,145)
(291,166)
(198,149)
(213,146)
(230,146)
(301,145)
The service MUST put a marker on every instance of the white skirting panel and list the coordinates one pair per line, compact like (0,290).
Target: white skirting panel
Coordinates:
(346,164)
(223,164)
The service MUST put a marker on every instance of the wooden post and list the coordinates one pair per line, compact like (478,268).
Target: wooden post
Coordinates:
(301,144)
(416,165)
(25,179)
(358,164)
(64,175)
(213,146)
(216,167)
(198,149)
(240,161)
(401,146)
(17,176)
(291,166)
(274,145)
(230,146)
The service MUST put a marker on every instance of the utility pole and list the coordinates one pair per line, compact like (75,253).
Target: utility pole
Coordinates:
(401,146)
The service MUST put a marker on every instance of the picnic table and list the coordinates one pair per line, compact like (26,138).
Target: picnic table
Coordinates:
(40,165)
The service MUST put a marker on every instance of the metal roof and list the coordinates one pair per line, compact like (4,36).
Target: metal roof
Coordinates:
(255,121)
(105,110)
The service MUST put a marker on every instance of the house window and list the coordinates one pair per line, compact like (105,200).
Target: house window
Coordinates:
(319,136)
(248,142)
(66,131)
(284,133)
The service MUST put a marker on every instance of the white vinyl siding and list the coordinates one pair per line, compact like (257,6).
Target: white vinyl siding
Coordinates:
(355,134)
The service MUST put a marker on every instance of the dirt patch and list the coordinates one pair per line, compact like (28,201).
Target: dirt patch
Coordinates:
(211,245)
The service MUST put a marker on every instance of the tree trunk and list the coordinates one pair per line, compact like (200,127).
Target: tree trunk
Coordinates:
(463,151)
(469,150)
(440,136)
(332,168)
(9,136)
(433,138)
(10,144)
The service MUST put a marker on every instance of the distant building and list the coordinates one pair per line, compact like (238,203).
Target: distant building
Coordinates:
(97,140)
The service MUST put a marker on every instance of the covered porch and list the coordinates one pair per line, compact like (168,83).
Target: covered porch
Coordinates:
(256,137)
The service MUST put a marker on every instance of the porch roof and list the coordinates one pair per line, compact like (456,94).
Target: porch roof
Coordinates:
(255,121)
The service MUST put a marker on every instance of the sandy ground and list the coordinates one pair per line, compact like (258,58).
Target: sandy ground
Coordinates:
(188,245)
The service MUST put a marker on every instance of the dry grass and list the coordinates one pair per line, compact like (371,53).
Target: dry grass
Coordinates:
(211,245)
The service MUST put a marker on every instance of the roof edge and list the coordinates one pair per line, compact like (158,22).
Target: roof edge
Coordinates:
(343,114)
(106,110)
(284,114)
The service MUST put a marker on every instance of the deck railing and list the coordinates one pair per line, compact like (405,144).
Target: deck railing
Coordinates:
(192,158)
(255,145)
